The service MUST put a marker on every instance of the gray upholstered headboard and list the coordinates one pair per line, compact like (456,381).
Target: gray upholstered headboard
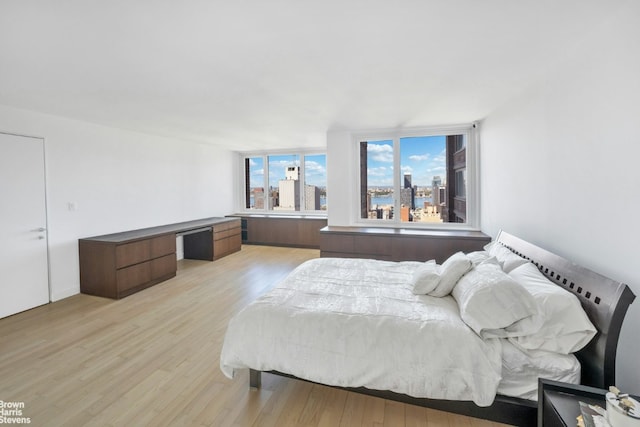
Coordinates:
(604,300)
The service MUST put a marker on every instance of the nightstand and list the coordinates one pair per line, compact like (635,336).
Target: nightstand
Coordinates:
(558,402)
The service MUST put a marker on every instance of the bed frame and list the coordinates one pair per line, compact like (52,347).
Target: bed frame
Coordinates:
(604,300)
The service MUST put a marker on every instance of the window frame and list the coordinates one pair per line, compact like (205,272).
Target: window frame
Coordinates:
(471,134)
(267,210)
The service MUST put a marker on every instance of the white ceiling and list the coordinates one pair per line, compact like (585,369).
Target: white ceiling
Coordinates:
(259,74)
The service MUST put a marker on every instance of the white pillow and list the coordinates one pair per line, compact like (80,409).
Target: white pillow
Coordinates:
(493,304)
(507,259)
(481,257)
(566,328)
(450,272)
(478,256)
(425,278)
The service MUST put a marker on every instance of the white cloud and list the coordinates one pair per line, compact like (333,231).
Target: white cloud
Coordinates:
(314,167)
(283,163)
(379,171)
(380,153)
(419,157)
(315,173)
(437,170)
(441,158)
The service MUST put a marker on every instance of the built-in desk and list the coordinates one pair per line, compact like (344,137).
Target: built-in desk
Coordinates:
(119,264)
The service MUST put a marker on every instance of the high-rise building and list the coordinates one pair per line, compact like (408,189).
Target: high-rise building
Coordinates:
(289,190)
(455,205)
(258,198)
(311,198)
(406,197)
(408,193)
(365,197)
(437,196)
(407,180)
(436,181)
(293,172)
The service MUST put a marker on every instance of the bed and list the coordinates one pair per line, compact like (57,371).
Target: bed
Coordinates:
(357,350)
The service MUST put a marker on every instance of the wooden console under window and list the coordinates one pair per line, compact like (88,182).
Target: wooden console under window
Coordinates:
(119,264)
(398,244)
(283,230)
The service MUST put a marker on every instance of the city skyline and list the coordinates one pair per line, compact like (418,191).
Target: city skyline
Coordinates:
(286,182)
(423,157)
(315,169)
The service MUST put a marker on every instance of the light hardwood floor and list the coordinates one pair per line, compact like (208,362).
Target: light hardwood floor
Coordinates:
(153,359)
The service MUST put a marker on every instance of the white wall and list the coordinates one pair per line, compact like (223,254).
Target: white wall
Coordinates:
(560,165)
(120,180)
(340,176)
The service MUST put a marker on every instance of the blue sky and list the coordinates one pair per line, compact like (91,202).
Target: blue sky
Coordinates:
(315,169)
(421,156)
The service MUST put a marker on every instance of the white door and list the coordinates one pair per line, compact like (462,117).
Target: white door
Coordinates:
(24,277)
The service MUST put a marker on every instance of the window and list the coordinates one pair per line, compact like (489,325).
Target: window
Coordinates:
(419,178)
(285,182)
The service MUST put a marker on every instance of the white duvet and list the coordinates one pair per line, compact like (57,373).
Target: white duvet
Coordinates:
(356,323)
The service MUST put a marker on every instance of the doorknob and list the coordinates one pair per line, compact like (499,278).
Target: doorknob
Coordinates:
(39,229)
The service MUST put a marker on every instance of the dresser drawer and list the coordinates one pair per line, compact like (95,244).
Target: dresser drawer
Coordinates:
(337,242)
(132,253)
(226,226)
(223,247)
(377,246)
(163,245)
(144,250)
(226,233)
(134,276)
(164,266)
(138,275)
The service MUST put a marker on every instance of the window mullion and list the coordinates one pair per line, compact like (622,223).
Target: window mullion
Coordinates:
(303,203)
(396,180)
(267,191)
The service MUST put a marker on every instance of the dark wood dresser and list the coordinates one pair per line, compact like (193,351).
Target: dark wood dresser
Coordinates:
(398,244)
(119,264)
(282,230)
